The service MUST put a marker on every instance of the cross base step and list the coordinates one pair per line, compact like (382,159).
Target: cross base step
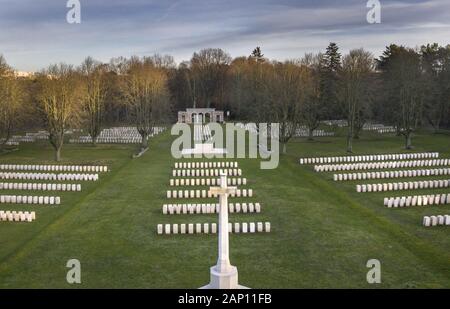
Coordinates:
(224,280)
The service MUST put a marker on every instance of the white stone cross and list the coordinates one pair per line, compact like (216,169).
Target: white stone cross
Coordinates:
(223,261)
(223,274)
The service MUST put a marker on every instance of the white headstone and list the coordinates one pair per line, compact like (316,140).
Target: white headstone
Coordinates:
(259,227)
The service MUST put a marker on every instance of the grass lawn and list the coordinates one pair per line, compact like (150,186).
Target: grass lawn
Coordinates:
(323,232)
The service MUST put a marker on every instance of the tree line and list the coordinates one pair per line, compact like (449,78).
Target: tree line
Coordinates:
(404,87)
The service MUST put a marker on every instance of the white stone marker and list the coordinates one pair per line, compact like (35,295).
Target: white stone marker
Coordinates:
(447,219)
(433,220)
(223,274)
(259,226)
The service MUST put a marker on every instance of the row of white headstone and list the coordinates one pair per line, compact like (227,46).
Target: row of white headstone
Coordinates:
(417,200)
(22,139)
(50,176)
(126,131)
(54,168)
(171,209)
(391,174)
(39,135)
(202,133)
(117,135)
(436,220)
(19,199)
(248,126)
(198,133)
(215,164)
(379,128)
(315,133)
(410,185)
(28,138)
(207,135)
(10,143)
(211,228)
(17,216)
(40,186)
(106,140)
(380,165)
(367,158)
(386,130)
(341,123)
(206,182)
(205,193)
(205,172)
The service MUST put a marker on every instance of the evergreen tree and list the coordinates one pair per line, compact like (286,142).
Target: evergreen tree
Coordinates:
(257,54)
(332,58)
(330,66)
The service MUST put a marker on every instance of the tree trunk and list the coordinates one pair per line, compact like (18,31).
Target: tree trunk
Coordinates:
(408,140)
(284,148)
(310,134)
(436,128)
(350,142)
(144,144)
(58,154)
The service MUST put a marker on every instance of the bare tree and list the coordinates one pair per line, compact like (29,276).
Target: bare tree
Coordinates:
(163,61)
(410,97)
(145,88)
(245,89)
(354,90)
(93,73)
(60,100)
(313,105)
(209,68)
(402,78)
(283,89)
(11,102)
(436,83)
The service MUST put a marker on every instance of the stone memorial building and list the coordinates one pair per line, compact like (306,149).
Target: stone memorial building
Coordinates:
(200,115)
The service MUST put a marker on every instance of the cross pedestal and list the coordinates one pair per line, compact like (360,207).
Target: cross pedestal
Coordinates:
(223,274)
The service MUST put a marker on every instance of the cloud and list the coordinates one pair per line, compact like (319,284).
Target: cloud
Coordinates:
(34,34)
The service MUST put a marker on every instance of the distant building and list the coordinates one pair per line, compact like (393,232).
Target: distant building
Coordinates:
(200,115)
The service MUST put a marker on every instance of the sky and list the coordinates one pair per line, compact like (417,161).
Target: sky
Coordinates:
(35,33)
